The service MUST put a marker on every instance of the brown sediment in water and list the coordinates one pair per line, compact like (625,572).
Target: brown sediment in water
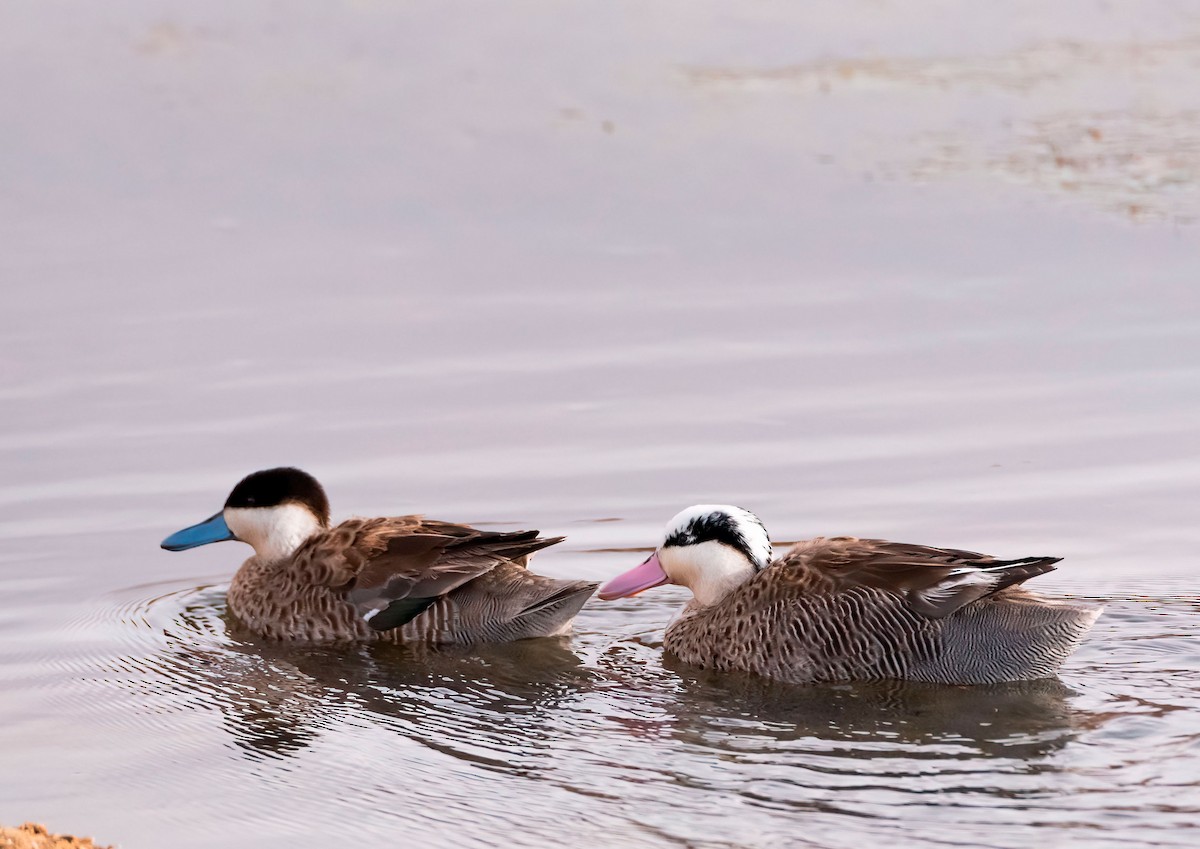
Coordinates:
(1070,133)
(34,836)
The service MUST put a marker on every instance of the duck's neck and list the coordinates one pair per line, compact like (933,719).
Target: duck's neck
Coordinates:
(274,532)
(710,592)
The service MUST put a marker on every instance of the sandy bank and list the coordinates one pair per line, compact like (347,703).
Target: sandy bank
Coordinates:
(34,836)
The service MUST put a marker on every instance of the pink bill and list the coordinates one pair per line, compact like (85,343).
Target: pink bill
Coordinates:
(649,574)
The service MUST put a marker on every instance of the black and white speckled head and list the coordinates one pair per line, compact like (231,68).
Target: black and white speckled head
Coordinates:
(725,524)
(708,548)
(274,510)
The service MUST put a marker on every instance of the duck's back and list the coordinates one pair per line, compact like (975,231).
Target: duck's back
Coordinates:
(847,609)
(406,579)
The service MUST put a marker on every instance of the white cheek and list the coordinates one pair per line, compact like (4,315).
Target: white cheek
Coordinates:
(250,524)
(685,565)
(272,531)
(708,569)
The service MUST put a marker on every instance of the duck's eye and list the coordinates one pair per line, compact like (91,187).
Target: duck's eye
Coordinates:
(250,502)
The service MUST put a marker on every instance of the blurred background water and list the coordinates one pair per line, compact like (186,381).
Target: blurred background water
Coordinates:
(923,271)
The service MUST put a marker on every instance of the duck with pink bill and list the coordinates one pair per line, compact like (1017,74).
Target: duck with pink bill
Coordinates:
(845,609)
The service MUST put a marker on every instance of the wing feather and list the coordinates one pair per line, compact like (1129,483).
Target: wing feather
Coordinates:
(393,569)
(934,582)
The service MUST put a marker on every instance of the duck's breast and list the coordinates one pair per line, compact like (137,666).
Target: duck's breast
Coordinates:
(277,601)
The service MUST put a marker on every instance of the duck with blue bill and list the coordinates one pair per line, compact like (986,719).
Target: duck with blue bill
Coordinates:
(390,579)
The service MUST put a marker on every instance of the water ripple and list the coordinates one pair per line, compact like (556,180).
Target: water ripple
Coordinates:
(607,730)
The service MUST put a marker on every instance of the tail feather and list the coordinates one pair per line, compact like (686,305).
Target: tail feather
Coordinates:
(1011,572)
(566,591)
(975,580)
(519,549)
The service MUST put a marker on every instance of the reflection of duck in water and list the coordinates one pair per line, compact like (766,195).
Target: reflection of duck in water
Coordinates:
(1013,719)
(277,698)
(843,609)
(399,579)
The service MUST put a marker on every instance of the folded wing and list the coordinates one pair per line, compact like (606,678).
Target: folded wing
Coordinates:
(934,582)
(392,570)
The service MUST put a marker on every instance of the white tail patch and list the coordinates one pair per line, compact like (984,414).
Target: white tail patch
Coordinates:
(961,586)
(958,581)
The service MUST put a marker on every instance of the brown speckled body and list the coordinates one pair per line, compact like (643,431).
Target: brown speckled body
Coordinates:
(311,595)
(842,609)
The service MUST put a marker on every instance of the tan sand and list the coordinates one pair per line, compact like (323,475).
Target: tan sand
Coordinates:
(34,836)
